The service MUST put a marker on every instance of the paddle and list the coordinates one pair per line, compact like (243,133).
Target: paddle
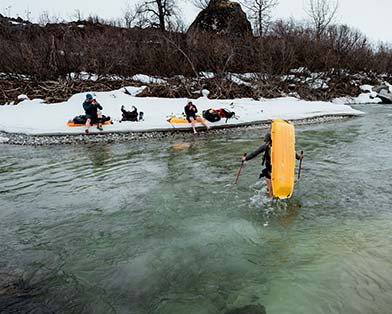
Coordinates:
(300,165)
(239,170)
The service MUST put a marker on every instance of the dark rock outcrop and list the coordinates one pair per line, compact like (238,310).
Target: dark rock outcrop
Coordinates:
(222,17)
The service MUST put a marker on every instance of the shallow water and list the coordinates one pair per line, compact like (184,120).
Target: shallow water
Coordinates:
(160,227)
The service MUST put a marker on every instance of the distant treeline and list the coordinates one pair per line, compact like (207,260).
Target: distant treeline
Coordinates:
(55,50)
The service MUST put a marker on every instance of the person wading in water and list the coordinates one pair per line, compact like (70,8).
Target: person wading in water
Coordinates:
(266,150)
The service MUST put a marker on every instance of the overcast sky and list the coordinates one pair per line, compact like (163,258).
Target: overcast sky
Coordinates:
(373,18)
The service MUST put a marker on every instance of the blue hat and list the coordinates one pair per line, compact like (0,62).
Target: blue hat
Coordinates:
(89,96)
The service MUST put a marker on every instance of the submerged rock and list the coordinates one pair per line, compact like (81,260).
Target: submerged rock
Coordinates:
(16,296)
(248,309)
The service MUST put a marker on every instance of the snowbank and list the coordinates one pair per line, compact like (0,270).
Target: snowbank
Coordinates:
(148,79)
(3,139)
(364,98)
(34,117)
(368,97)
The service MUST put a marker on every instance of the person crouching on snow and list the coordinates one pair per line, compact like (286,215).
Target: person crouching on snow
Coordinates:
(190,112)
(93,115)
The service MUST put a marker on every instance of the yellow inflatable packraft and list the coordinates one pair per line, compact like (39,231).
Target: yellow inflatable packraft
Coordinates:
(175,119)
(282,158)
(71,124)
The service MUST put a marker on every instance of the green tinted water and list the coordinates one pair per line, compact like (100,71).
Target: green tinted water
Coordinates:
(159,227)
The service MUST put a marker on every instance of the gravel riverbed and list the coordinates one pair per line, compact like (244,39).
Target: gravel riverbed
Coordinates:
(38,140)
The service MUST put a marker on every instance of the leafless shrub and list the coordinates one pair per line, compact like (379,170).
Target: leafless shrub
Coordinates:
(54,51)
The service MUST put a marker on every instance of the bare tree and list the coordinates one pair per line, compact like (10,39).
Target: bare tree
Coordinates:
(7,11)
(28,13)
(129,16)
(201,4)
(177,24)
(44,18)
(321,13)
(260,12)
(78,15)
(156,13)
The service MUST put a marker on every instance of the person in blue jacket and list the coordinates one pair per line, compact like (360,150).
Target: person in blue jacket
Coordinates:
(93,115)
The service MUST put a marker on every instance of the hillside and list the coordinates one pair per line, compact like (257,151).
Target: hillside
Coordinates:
(41,61)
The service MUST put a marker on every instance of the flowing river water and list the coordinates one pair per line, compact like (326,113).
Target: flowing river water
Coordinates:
(159,226)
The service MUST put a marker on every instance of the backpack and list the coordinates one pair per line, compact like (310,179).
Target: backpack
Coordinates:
(79,119)
(82,119)
(226,113)
(129,116)
(211,115)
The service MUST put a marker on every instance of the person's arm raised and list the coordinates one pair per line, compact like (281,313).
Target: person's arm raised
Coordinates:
(256,152)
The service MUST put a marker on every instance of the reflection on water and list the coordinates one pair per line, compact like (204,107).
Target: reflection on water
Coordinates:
(160,227)
(98,154)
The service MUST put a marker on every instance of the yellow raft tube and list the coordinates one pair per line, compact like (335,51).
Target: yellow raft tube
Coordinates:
(282,158)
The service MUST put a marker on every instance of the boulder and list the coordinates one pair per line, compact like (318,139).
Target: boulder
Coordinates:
(384,92)
(385,95)
(222,17)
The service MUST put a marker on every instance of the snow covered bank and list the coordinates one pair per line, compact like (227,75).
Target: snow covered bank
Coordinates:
(367,97)
(33,117)
(3,139)
(364,98)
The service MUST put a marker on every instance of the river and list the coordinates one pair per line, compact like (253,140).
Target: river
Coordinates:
(160,227)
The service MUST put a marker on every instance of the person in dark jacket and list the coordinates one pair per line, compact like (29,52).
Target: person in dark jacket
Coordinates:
(266,172)
(190,112)
(93,115)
